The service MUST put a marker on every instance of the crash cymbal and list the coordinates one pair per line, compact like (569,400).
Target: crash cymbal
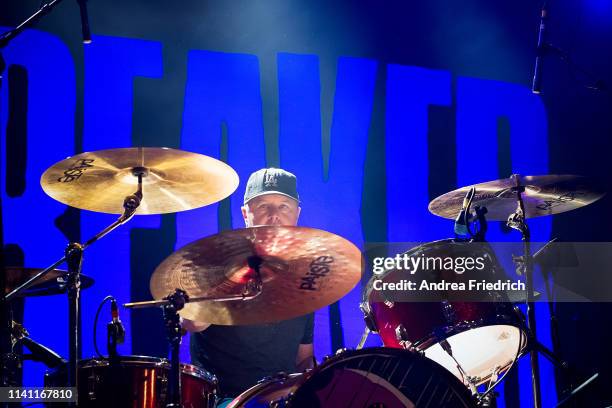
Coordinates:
(50,284)
(174,180)
(544,195)
(302,270)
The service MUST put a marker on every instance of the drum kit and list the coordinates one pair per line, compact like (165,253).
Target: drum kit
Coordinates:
(435,354)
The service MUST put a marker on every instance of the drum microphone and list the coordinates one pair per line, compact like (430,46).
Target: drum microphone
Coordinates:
(461,229)
(84,21)
(540,51)
(116,322)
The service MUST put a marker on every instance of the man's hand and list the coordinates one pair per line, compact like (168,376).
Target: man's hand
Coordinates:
(192,326)
(305,357)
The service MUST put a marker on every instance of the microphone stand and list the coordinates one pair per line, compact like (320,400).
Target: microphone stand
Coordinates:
(74,257)
(175,302)
(544,48)
(6,37)
(29,22)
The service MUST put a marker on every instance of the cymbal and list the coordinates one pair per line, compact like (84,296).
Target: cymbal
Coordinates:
(544,195)
(175,181)
(302,270)
(47,285)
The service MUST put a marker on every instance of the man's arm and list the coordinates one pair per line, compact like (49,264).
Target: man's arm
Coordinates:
(192,326)
(305,357)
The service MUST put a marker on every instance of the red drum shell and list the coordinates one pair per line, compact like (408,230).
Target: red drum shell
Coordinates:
(425,324)
(138,382)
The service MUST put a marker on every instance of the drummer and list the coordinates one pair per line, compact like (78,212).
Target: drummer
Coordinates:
(242,355)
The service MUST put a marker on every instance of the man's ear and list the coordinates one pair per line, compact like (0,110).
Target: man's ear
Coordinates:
(245,215)
(299,211)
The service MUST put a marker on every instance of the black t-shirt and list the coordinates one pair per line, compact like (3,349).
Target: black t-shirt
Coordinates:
(242,355)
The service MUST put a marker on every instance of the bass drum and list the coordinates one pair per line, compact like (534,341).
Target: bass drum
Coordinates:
(484,336)
(137,382)
(367,378)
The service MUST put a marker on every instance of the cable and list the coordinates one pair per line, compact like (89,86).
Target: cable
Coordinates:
(447,348)
(499,380)
(95,340)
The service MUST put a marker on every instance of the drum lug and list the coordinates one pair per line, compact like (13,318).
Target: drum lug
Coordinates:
(325,358)
(163,386)
(92,380)
(368,317)
(389,304)
(495,374)
(448,312)
(280,376)
(211,398)
(402,337)
(282,402)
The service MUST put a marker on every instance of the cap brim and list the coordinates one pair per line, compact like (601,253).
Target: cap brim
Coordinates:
(272,192)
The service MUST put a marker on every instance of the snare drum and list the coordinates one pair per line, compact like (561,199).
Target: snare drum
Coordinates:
(373,377)
(484,337)
(139,382)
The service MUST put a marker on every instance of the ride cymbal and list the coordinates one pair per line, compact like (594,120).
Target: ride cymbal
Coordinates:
(544,195)
(302,269)
(173,180)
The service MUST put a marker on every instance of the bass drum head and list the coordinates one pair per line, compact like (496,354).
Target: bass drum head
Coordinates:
(480,351)
(367,378)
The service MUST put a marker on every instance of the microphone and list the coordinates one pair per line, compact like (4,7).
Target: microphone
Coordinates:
(461,221)
(116,322)
(84,21)
(537,73)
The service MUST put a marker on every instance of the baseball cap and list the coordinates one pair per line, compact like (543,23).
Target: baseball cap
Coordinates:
(271,181)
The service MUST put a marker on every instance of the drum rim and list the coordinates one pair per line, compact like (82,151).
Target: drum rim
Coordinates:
(158,362)
(262,384)
(465,326)
(342,354)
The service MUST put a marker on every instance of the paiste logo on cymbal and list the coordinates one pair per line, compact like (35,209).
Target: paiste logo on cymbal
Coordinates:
(319,268)
(560,200)
(76,170)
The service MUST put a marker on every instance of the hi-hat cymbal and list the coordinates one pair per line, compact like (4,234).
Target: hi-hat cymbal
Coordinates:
(175,180)
(544,195)
(302,270)
(51,284)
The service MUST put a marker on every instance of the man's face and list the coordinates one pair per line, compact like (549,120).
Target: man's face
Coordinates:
(271,209)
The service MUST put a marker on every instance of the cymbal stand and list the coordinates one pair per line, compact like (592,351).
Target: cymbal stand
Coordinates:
(517,221)
(74,257)
(171,305)
(525,265)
